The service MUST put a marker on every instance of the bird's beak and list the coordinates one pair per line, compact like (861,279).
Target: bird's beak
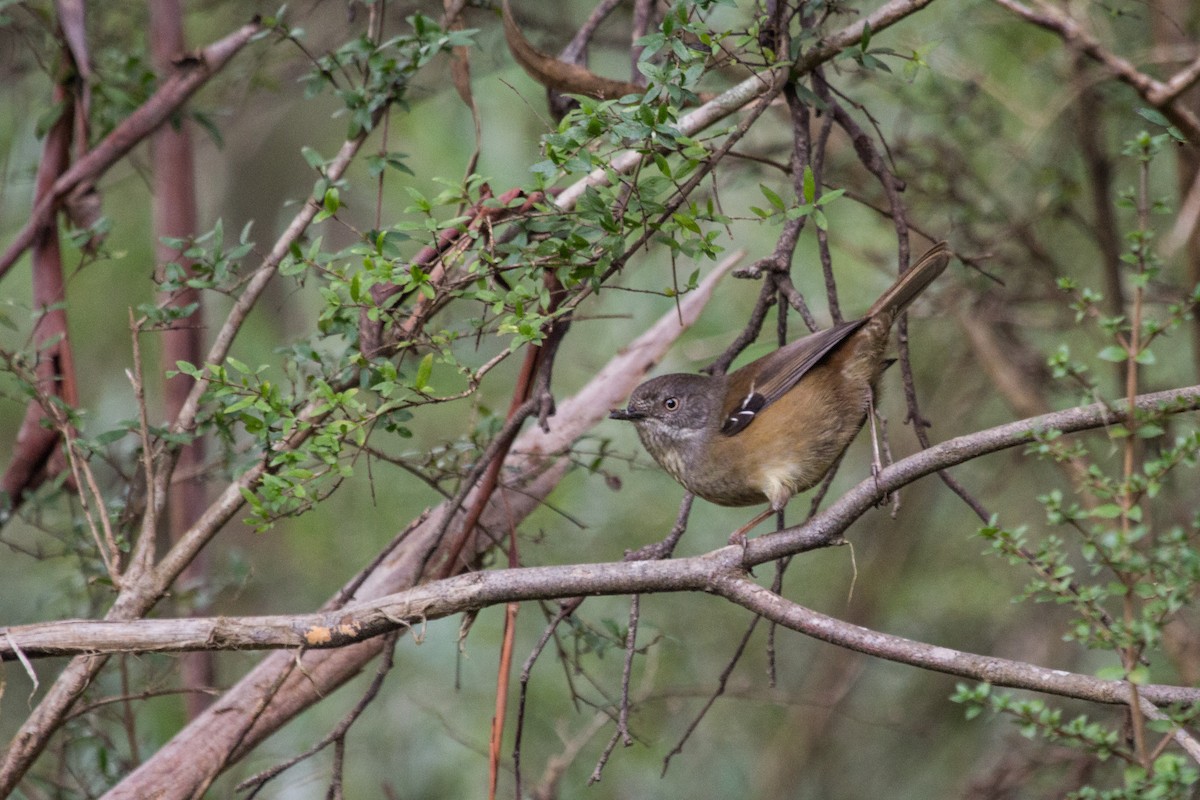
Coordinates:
(626,414)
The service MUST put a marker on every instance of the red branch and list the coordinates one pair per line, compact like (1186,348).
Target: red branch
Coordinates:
(33,451)
(485,214)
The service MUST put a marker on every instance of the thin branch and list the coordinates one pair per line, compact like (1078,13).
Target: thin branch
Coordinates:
(192,73)
(143,549)
(1181,736)
(1160,95)
(85,479)
(340,730)
(1178,83)
(719,691)
(997,671)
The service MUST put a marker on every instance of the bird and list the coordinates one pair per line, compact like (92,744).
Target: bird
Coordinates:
(776,426)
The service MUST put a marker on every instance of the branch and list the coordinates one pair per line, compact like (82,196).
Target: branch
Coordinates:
(1178,83)
(997,671)
(357,622)
(275,691)
(562,76)
(718,572)
(192,73)
(827,527)
(745,92)
(1158,94)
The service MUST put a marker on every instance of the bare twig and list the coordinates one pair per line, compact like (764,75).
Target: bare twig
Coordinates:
(143,548)
(339,731)
(722,682)
(106,545)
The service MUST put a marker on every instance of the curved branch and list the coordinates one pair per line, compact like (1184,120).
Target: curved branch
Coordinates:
(360,621)
(557,75)
(997,671)
(826,528)
(1158,94)
(191,73)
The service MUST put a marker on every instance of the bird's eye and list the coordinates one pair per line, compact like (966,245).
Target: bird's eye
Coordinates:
(671,403)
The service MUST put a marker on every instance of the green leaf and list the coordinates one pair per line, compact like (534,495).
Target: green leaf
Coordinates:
(772,198)
(245,402)
(687,223)
(1154,116)
(810,184)
(332,201)
(1113,353)
(424,369)
(108,437)
(830,196)
(312,157)
(187,369)
(663,165)
(249,497)
(1150,430)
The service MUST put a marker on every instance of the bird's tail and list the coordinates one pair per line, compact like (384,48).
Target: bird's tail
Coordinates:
(914,281)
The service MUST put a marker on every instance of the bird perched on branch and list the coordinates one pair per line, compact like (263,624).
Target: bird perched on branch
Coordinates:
(775,426)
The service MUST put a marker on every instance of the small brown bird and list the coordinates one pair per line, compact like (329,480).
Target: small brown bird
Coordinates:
(774,427)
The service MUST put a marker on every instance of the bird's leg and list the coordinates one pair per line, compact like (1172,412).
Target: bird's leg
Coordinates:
(738,537)
(888,460)
(878,457)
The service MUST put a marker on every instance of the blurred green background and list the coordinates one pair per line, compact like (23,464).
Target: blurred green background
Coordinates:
(836,724)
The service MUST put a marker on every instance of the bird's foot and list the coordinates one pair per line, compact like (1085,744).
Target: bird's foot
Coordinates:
(738,537)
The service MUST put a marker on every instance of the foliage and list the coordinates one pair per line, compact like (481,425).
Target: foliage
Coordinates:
(1124,574)
(356,359)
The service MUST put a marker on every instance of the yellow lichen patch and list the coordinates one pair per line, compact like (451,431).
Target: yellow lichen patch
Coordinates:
(318,634)
(349,629)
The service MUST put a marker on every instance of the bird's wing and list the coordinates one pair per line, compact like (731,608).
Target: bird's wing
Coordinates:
(762,382)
